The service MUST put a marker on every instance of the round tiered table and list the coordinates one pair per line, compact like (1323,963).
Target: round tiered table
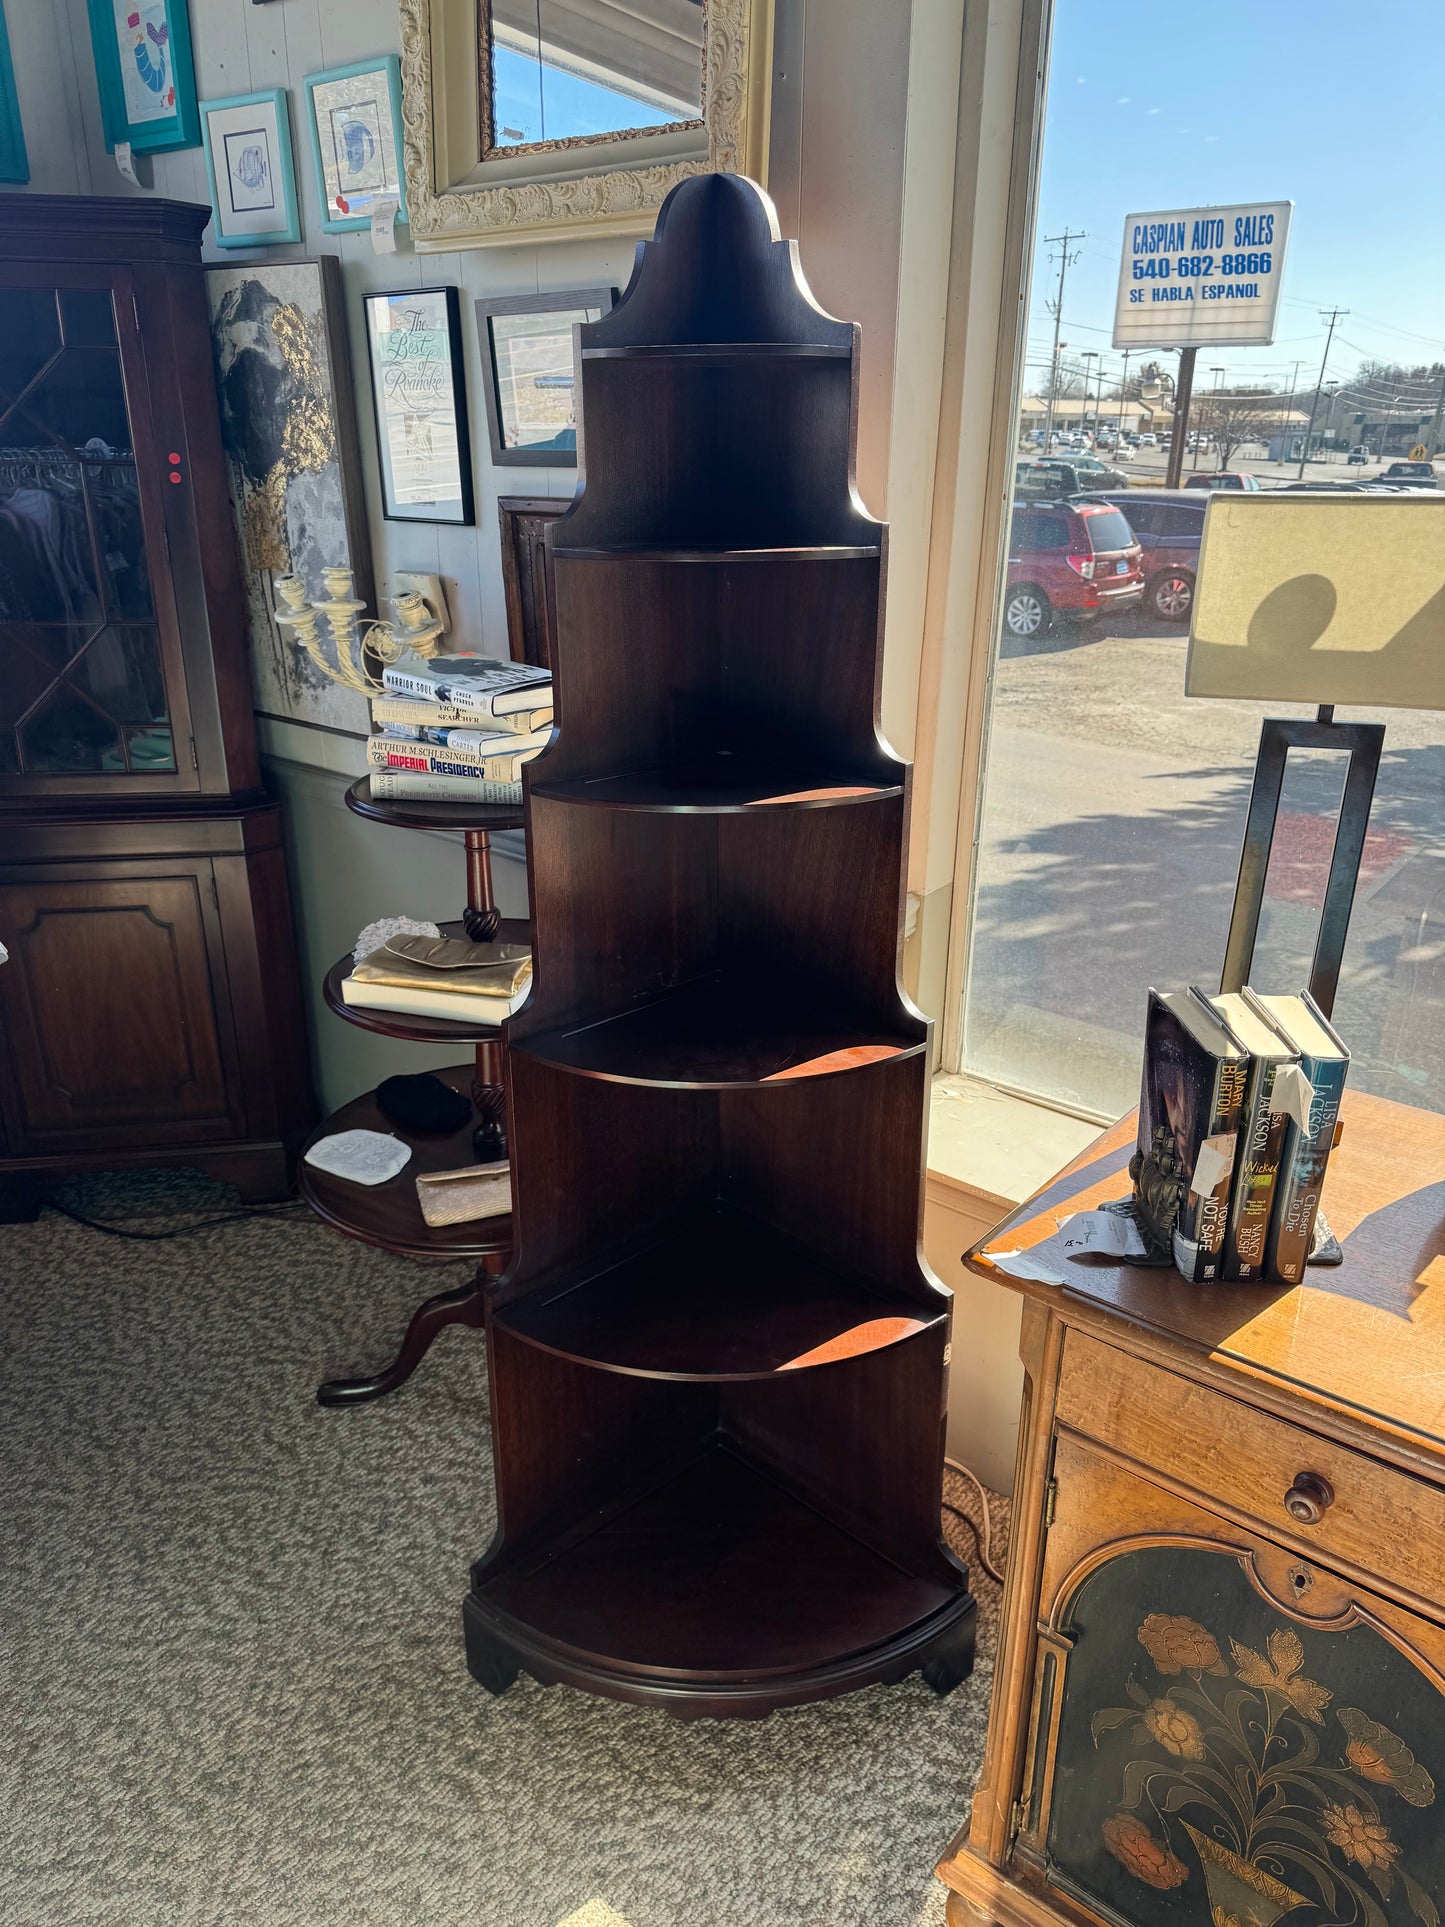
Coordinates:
(389,1215)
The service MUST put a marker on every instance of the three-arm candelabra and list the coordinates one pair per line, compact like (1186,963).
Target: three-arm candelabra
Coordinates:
(417,629)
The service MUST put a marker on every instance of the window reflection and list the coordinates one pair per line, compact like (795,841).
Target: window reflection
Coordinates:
(566,70)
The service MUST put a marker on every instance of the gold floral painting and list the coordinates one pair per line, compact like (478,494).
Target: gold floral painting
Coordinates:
(1252,1782)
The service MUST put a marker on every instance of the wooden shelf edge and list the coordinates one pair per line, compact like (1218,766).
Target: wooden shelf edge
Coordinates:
(809,795)
(776,1080)
(624,552)
(424,814)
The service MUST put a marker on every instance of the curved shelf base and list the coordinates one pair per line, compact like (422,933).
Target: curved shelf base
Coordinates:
(719,1593)
(941,1647)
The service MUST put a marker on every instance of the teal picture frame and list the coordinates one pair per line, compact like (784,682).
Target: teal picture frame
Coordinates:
(157,35)
(279,163)
(387,69)
(14,161)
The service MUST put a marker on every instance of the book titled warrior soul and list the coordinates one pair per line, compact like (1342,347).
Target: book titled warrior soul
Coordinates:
(1195,1074)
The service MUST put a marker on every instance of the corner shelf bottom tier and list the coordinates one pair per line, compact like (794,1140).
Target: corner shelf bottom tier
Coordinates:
(718,1592)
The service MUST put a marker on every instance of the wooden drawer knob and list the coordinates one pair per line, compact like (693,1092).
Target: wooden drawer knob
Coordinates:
(1309,1497)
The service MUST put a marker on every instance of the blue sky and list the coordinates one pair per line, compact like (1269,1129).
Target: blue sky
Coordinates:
(1332,104)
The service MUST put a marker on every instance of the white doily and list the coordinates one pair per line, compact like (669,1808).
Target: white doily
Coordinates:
(366,1157)
(384,929)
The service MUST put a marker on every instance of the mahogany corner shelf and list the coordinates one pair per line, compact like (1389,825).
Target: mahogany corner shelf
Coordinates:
(717,1360)
(388,1215)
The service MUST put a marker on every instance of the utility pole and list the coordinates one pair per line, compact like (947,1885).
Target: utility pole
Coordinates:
(1066,261)
(1124,397)
(1432,438)
(1304,454)
(1285,429)
(1183,393)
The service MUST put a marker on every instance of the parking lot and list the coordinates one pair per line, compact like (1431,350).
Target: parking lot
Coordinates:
(1113,820)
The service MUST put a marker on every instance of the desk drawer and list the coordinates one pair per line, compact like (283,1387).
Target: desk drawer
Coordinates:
(1386,1525)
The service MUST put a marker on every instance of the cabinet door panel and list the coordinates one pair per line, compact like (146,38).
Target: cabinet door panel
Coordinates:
(113,1009)
(1232,1735)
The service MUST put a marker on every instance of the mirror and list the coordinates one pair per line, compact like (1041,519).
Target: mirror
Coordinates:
(557,72)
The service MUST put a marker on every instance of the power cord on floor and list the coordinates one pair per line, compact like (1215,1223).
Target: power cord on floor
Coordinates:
(983,1534)
(261,1211)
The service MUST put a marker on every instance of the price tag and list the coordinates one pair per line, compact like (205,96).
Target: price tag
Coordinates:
(1112,1233)
(1214,1162)
(125,161)
(1293,1094)
(383,225)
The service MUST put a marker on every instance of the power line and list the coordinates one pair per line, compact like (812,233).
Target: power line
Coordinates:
(1335,314)
(1056,306)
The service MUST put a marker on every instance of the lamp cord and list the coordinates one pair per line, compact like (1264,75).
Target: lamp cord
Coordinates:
(983,1534)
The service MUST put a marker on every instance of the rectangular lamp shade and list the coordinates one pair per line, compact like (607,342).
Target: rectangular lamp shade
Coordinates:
(1321,599)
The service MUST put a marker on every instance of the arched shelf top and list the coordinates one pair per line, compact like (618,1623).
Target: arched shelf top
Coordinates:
(715,273)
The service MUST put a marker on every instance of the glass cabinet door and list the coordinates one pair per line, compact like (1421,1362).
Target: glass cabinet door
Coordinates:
(89,679)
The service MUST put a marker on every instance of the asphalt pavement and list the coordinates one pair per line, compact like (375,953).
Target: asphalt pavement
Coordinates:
(1114,813)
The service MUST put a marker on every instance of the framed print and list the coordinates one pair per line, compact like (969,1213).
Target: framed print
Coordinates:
(288,428)
(355,115)
(147,82)
(248,164)
(14,163)
(527,358)
(419,393)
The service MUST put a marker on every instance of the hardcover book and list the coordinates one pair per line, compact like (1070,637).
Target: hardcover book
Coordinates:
(416,712)
(1195,1071)
(1261,1134)
(436,759)
(1325,1062)
(480,685)
(415,786)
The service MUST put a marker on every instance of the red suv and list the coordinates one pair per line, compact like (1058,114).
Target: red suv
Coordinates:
(1073,559)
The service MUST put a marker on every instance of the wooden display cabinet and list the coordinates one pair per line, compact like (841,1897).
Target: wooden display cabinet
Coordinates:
(151,1012)
(1220,1696)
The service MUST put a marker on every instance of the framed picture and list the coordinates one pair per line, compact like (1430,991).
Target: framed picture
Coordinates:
(527,356)
(147,82)
(14,163)
(419,393)
(288,427)
(248,164)
(355,115)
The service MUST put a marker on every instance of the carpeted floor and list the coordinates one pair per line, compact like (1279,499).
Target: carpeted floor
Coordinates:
(230,1640)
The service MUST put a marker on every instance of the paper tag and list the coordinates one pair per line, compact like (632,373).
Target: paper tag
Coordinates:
(383,225)
(1215,1161)
(125,161)
(1018,1264)
(1293,1094)
(1112,1233)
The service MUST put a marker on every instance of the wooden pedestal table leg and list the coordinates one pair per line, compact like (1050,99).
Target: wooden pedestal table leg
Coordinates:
(460,1307)
(482,921)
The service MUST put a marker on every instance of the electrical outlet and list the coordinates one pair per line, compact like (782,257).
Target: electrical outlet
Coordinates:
(429,588)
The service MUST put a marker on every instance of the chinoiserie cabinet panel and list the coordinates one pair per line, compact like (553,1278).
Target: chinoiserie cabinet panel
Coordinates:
(115,1006)
(1222,1732)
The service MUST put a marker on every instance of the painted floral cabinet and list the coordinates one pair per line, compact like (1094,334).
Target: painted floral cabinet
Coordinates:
(1220,1692)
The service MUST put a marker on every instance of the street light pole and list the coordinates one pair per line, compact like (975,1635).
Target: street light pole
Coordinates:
(1183,391)
(1087,355)
(1335,314)
(1124,396)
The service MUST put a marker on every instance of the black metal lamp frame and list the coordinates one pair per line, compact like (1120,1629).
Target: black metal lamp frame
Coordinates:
(1277,738)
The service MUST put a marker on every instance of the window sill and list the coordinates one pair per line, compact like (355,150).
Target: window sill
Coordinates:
(993,1147)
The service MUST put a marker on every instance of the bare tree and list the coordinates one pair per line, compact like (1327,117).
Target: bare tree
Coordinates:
(1235,420)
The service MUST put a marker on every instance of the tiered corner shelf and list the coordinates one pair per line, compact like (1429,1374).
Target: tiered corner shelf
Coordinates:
(389,1215)
(717,1360)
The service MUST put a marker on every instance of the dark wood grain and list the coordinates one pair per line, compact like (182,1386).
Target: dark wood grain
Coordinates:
(717,1361)
(527,574)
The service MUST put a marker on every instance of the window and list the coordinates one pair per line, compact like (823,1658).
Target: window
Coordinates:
(1112,809)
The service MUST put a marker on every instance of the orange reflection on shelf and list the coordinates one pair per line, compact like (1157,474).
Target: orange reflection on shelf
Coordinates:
(871,1336)
(836,1060)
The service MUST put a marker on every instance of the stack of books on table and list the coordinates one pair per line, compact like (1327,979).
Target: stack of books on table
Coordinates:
(458,729)
(1238,1116)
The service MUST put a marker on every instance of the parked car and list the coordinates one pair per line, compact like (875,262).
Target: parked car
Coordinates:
(1412,475)
(1148,441)
(1168,524)
(1094,474)
(1358,456)
(1225,478)
(1071,559)
(1048,480)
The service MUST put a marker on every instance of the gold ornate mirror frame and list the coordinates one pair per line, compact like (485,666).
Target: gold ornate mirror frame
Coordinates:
(461,194)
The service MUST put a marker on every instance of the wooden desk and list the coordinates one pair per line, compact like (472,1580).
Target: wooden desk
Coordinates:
(1220,1695)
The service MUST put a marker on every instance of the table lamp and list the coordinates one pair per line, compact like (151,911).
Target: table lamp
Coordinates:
(1324,599)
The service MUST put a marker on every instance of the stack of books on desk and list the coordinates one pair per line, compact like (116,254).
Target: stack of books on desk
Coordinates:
(458,729)
(1237,1118)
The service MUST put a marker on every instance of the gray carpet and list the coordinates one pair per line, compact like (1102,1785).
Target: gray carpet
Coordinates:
(230,1640)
